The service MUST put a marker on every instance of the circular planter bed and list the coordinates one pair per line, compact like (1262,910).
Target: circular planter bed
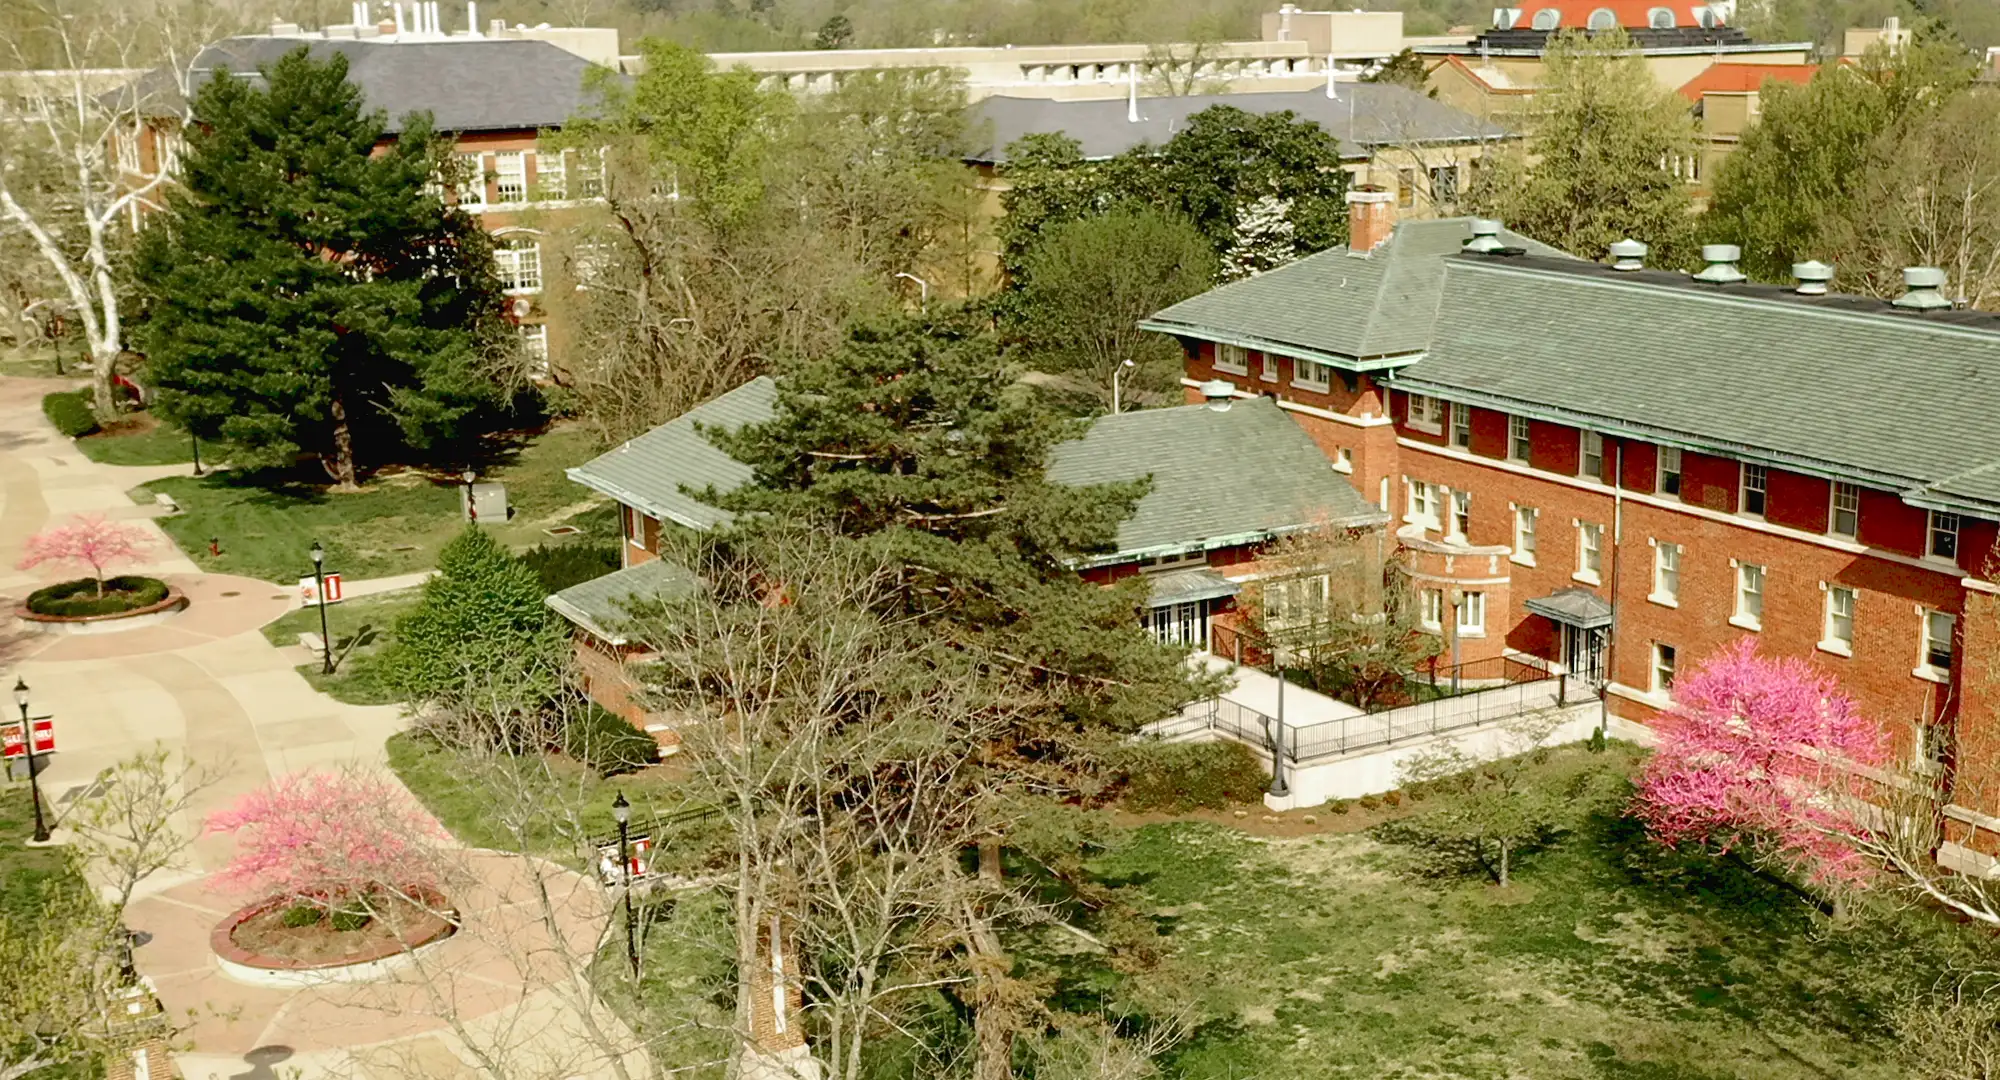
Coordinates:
(268,944)
(74,607)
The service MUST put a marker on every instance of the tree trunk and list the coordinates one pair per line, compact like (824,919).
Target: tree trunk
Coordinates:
(992,1026)
(1504,845)
(103,364)
(989,859)
(343,471)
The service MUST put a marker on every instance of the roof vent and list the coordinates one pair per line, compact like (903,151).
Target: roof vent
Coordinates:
(1629,254)
(1721,268)
(1922,284)
(1812,277)
(1485,236)
(1218,393)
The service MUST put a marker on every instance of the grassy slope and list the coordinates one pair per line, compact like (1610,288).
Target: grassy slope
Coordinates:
(1610,958)
(395,525)
(24,871)
(357,679)
(138,439)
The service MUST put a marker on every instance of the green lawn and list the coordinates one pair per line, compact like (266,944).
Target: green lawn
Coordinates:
(138,439)
(26,872)
(1330,956)
(38,361)
(395,525)
(361,629)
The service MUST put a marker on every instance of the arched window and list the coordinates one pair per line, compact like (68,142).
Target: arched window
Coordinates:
(1707,18)
(1660,18)
(1603,19)
(1547,19)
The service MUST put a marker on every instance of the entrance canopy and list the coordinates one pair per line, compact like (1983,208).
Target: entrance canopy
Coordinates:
(1573,607)
(1188,586)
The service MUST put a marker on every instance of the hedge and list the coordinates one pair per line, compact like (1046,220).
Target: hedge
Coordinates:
(79,597)
(1191,776)
(607,743)
(70,412)
(564,565)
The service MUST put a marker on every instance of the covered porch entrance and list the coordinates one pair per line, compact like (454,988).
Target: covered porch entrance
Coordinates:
(1181,603)
(1583,623)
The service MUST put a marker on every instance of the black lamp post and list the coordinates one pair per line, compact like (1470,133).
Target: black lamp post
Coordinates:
(622,810)
(319,592)
(471,511)
(28,749)
(194,443)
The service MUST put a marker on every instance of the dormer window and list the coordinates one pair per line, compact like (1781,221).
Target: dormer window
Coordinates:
(1547,19)
(1660,18)
(1706,18)
(1603,19)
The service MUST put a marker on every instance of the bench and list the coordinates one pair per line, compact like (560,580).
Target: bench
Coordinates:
(167,502)
(313,644)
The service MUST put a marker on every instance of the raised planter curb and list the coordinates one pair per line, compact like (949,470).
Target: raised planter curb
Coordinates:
(150,615)
(244,966)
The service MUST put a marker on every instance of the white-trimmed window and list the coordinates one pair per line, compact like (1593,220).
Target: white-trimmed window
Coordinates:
(1944,536)
(1591,464)
(1311,374)
(1665,658)
(1669,482)
(1472,614)
(1546,19)
(1525,520)
(1844,515)
(1269,372)
(535,346)
(1430,609)
(1461,514)
(590,174)
(472,188)
(1297,600)
(1344,460)
(1234,359)
(1666,573)
(1603,19)
(1427,414)
(1753,494)
(1749,597)
(552,175)
(1935,661)
(1589,552)
(1660,18)
(518,262)
(1461,425)
(1423,505)
(1838,634)
(1518,441)
(635,528)
(510,176)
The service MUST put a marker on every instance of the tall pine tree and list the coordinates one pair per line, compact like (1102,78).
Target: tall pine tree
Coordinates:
(307,294)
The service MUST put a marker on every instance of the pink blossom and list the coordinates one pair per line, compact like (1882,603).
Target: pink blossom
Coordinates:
(88,540)
(1768,753)
(327,837)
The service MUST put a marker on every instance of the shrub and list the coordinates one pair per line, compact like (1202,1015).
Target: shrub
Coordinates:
(1370,802)
(70,412)
(607,743)
(1338,806)
(564,565)
(348,919)
(300,915)
(1189,776)
(79,598)
(481,613)
(1393,798)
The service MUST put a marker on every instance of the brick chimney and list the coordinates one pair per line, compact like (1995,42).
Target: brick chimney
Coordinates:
(1371,217)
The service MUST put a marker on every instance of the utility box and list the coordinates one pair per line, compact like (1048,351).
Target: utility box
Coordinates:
(486,502)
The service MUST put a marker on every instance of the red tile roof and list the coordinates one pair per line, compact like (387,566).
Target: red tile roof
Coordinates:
(1744,78)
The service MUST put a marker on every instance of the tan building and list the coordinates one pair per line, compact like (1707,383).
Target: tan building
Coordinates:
(1727,100)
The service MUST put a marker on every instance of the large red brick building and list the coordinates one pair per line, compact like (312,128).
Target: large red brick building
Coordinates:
(1622,470)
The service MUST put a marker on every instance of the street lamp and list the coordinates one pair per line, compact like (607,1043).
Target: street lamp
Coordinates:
(471,511)
(622,810)
(1115,376)
(319,592)
(28,749)
(923,291)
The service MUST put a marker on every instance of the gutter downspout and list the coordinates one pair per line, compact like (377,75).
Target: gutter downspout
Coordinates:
(1617,553)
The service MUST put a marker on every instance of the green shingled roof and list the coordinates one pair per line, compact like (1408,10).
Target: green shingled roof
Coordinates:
(1336,306)
(1219,477)
(601,605)
(1837,385)
(656,471)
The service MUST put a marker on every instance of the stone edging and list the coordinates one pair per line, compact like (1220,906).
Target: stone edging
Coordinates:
(84,624)
(245,966)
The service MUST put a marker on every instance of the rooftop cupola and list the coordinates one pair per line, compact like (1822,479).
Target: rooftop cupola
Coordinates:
(1721,268)
(1628,255)
(1922,290)
(1219,394)
(1485,236)
(1812,276)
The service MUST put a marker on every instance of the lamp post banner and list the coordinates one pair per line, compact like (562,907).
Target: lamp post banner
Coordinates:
(641,860)
(13,746)
(309,592)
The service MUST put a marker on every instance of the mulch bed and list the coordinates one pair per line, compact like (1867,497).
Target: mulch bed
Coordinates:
(268,942)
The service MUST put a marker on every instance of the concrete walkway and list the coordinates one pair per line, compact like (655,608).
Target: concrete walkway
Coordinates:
(206,683)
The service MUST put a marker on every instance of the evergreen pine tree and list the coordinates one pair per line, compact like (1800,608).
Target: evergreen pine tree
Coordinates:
(1264,239)
(307,294)
(481,613)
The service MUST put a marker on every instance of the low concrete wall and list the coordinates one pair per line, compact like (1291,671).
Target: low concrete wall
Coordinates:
(1371,773)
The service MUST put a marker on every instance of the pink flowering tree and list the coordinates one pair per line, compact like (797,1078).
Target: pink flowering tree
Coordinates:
(332,839)
(1769,754)
(88,540)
